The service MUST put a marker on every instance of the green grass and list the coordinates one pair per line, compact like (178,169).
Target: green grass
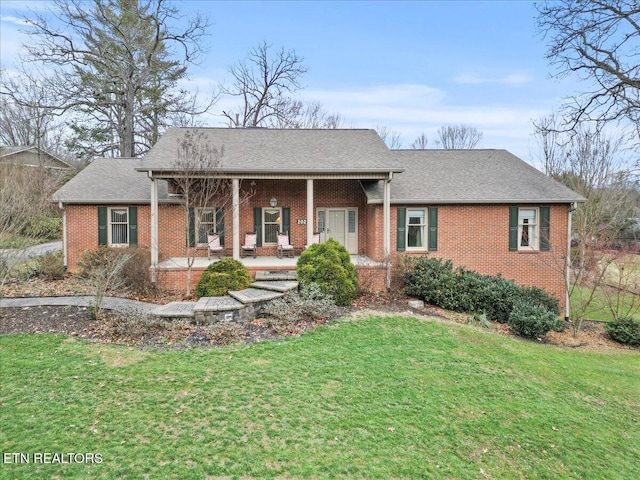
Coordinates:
(598,309)
(375,398)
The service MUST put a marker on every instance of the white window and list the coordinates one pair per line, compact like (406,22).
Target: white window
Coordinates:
(118,227)
(206,224)
(271,221)
(416,228)
(528,233)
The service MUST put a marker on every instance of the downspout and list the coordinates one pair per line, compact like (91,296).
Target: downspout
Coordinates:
(387,228)
(64,234)
(567,266)
(154,229)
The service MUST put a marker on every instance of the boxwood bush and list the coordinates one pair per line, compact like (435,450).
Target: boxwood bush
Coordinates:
(436,282)
(625,330)
(532,321)
(222,276)
(329,265)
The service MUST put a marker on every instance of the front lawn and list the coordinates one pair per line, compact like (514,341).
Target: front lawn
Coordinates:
(373,398)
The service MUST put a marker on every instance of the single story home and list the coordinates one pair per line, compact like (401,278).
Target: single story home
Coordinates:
(32,156)
(484,209)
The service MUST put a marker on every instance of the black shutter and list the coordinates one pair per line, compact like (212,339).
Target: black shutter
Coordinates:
(191,240)
(286,221)
(433,229)
(257,224)
(513,229)
(133,226)
(545,229)
(220,224)
(102,226)
(401,238)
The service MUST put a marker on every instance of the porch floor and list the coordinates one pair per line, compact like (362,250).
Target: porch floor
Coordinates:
(258,262)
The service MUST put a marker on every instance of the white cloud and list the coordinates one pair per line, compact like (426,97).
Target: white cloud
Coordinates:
(15,21)
(517,78)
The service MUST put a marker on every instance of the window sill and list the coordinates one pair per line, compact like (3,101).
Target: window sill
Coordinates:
(529,252)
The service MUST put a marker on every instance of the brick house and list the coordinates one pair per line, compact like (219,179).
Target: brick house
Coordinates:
(486,210)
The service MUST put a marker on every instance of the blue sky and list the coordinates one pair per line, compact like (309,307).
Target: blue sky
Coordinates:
(410,66)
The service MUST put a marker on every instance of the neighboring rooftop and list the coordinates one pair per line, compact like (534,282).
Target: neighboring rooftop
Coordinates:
(469,176)
(30,156)
(290,150)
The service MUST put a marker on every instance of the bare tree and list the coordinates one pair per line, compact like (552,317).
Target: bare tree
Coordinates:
(296,114)
(115,70)
(264,83)
(26,118)
(420,143)
(599,41)
(389,136)
(591,164)
(205,194)
(458,137)
(24,196)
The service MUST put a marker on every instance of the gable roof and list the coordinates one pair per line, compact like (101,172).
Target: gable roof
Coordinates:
(469,176)
(110,180)
(256,150)
(52,161)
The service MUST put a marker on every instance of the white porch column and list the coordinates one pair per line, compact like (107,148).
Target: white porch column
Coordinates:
(567,264)
(235,206)
(154,229)
(64,235)
(310,211)
(386,222)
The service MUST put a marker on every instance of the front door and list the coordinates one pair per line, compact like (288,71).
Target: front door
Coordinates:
(335,225)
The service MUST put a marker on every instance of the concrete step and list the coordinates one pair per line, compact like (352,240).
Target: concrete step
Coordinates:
(277,285)
(250,296)
(220,309)
(175,310)
(275,275)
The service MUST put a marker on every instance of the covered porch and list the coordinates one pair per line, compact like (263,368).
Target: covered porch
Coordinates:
(172,273)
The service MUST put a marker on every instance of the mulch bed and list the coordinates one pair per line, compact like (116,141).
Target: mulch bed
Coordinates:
(141,332)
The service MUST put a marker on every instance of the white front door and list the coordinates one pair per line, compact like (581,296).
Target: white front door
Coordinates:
(336,225)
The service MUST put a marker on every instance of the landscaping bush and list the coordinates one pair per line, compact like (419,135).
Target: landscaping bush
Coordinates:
(532,321)
(625,330)
(222,276)
(51,266)
(43,227)
(135,274)
(329,265)
(436,282)
(309,302)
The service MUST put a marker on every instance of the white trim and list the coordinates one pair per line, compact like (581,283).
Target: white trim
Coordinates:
(425,230)
(110,225)
(279,223)
(198,214)
(534,233)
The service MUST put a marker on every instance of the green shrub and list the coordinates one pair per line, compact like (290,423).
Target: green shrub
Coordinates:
(135,272)
(222,276)
(329,265)
(43,227)
(625,330)
(436,282)
(309,302)
(51,266)
(532,321)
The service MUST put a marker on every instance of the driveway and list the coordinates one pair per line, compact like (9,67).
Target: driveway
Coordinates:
(15,256)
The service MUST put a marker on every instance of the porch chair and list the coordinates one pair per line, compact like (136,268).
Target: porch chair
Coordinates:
(284,247)
(314,240)
(250,245)
(213,245)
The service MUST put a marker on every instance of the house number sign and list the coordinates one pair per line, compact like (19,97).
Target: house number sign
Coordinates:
(302,221)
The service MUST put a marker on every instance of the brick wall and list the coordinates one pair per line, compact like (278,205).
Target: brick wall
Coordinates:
(477,237)
(474,236)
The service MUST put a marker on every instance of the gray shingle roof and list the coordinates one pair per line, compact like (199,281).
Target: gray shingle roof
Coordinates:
(110,180)
(10,150)
(469,176)
(280,150)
